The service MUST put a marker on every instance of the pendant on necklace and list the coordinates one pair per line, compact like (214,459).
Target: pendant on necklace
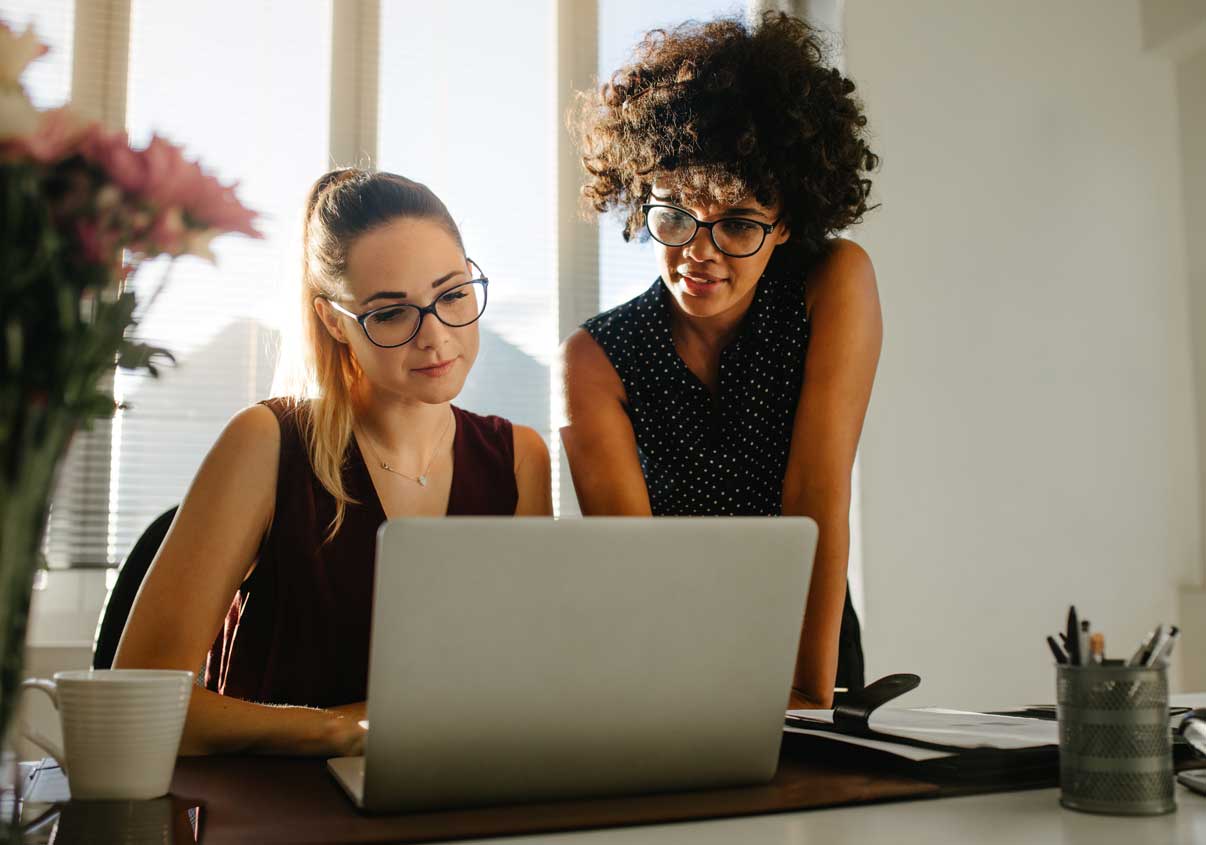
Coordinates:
(421,480)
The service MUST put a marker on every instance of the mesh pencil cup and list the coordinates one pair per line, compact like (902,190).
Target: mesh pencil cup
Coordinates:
(1115,750)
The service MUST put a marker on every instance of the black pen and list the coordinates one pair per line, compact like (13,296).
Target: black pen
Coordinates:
(1060,657)
(1073,637)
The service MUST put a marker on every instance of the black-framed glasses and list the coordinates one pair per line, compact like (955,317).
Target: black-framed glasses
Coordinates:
(399,323)
(736,237)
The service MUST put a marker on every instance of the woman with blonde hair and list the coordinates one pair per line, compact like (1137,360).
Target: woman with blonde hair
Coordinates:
(266,574)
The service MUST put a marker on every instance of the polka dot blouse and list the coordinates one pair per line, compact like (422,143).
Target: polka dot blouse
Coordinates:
(723,455)
(704,455)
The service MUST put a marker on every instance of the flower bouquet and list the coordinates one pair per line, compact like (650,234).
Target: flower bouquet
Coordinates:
(79,210)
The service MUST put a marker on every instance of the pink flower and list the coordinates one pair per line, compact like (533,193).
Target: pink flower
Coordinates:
(173,180)
(215,206)
(169,175)
(160,176)
(166,233)
(60,134)
(112,153)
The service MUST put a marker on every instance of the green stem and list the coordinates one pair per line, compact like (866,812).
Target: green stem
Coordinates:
(24,503)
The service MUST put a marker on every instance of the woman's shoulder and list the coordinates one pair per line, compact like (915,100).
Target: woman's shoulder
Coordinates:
(257,424)
(285,409)
(530,447)
(587,360)
(248,447)
(845,270)
(609,345)
(275,428)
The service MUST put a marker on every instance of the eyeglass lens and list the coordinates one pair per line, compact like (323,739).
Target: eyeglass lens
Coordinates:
(734,237)
(396,324)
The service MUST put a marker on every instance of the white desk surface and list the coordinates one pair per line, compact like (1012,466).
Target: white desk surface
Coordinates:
(1033,817)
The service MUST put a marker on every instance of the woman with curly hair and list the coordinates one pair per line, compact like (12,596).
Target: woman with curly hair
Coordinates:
(737,384)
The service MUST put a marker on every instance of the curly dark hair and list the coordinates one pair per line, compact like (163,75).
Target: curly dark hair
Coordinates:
(726,109)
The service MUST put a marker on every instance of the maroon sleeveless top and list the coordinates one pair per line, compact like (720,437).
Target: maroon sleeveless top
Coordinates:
(298,629)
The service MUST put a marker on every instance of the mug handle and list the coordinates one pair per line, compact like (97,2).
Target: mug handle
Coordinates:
(37,737)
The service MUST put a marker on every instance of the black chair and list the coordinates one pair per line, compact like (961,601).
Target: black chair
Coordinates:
(121,598)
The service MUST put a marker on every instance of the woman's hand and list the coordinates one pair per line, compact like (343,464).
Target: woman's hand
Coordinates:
(347,730)
(799,700)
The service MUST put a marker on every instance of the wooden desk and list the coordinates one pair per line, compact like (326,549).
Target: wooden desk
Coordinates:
(268,800)
(293,801)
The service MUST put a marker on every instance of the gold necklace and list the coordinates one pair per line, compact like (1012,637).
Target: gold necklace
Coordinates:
(421,480)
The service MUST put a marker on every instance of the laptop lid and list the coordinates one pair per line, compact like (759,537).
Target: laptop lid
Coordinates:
(527,659)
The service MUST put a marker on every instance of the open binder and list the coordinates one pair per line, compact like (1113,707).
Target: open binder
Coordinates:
(987,749)
(850,740)
(973,767)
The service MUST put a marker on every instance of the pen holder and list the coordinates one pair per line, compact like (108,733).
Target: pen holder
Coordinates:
(1115,750)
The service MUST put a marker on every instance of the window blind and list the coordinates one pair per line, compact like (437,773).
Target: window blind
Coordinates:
(247,92)
(467,107)
(245,88)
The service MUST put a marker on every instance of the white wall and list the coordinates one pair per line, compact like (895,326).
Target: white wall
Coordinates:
(1031,440)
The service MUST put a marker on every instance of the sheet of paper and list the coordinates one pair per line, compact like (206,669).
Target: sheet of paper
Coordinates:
(971,730)
(958,728)
(909,752)
(825,717)
(47,784)
(1177,705)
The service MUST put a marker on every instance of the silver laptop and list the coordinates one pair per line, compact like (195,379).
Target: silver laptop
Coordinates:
(533,659)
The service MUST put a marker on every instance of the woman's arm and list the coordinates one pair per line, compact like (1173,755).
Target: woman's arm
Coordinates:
(843,352)
(533,476)
(187,591)
(598,437)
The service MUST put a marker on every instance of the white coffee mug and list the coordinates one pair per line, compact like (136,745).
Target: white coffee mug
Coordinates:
(121,729)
